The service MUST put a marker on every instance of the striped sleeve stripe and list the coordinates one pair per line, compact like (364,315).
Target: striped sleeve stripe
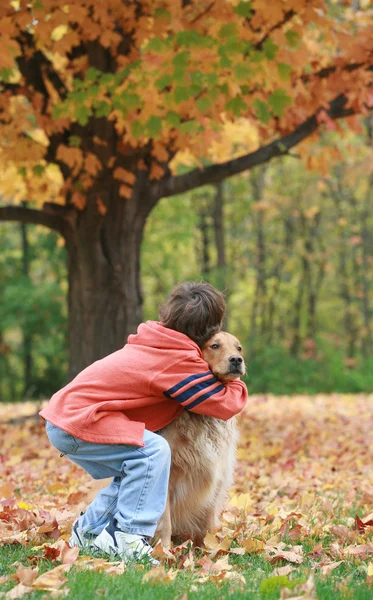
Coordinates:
(204,397)
(185,382)
(195,389)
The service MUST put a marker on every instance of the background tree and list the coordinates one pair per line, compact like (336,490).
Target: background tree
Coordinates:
(335,357)
(111,93)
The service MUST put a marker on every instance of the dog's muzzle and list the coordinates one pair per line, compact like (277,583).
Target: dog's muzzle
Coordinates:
(236,364)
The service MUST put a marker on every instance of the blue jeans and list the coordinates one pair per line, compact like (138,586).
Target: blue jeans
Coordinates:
(137,495)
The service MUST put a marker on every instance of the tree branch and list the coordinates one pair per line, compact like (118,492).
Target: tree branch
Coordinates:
(213,174)
(287,17)
(36,217)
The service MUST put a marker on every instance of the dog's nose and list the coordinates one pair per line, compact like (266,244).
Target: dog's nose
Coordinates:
(236,360)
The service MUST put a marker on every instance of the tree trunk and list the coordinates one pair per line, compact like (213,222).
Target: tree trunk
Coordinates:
(219,236)
(203,227)
(105,297)
(27,338)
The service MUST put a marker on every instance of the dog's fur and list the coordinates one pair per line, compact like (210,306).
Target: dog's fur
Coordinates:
(203,453)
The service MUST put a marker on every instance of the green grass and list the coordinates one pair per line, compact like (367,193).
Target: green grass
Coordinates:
(86,585)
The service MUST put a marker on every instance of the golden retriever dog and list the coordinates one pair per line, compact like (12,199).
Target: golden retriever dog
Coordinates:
(203,451)
(203,456)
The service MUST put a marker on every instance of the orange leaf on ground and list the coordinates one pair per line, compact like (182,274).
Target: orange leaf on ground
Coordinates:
(362,524)
(159,575)
(360,550)
(284,555)
(67,555)
(18,592)
(52,580)
(26,575)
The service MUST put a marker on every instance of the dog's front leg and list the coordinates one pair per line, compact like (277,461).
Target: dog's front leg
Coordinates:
(164,529)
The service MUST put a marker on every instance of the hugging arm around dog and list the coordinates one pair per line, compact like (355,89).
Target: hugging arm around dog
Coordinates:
(144,385)
(106,420)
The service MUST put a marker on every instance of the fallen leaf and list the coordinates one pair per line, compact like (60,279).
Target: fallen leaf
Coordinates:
(362,524)
(52,580)
(159,575)
(360,550)
(284,555)
(26,575)
(241,501)
(68,555)
(281,571)
(253,546)
(162,553)
(328,568)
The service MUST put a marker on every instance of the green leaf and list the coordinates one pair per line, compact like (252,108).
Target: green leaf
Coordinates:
(203,104)
(256,56)
(236,105)
(102,109)
(82,114)
(228,30)
(262,111)
(158,45)
(22,171)
(181,59)
(278,101)
(58,111)
(224,89)
(131,100)
(181,93)
(137,129)
(242,71)
(162,13)
(154,126)
(178,75)
(284,71)
(225,61)
(194,39)
(211,78)
(38,170)
(91,74)
(172,119)
(79,96)
(75,141)
(270,48)
(191,126)
(243,9)
(292,38)
(5,74)
(235,46)
(78,84)
(163,81)
(93,91)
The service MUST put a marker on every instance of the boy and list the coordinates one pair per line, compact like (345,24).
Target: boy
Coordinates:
(106,418)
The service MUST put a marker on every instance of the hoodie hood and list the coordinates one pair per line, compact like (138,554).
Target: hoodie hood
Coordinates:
(155,335)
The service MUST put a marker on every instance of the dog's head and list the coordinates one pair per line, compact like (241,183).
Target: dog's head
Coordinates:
(223,352)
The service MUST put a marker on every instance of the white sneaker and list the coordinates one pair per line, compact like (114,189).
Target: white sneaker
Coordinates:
(128,546)
(79,539)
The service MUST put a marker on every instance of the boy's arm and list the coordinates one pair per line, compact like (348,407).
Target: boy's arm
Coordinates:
(196,388)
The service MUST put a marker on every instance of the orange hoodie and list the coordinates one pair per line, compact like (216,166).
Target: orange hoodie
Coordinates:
(147,384)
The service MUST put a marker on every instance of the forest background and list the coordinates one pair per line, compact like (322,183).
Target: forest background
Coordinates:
(291,244)
(289,241)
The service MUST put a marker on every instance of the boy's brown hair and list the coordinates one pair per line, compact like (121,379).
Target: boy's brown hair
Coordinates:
(195,309)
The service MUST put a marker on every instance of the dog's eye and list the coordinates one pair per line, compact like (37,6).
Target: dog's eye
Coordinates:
(239,348)
(214,346)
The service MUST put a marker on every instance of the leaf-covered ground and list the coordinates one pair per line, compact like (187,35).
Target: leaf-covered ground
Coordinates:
(298,524)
